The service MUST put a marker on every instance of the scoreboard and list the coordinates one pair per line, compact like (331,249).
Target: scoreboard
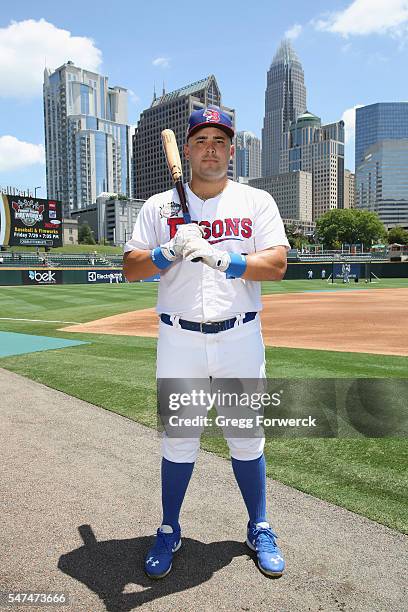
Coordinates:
(26,221)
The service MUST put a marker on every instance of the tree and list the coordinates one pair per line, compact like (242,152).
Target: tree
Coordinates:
(349,225)
(296,237)
(85,234)
(398,235)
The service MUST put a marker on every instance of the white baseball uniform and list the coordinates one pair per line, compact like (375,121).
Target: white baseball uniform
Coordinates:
(242,220)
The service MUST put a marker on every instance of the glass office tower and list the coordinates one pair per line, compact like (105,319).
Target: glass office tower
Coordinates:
(247,155)
(87,138)
(382,161)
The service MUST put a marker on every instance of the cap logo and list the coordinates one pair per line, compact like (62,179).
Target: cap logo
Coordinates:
(212,115)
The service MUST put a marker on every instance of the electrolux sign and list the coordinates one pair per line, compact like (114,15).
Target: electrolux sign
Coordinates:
(105,276)
(42,277)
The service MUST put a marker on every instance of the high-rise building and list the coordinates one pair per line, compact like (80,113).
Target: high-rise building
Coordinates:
(382,161)
(285,100)
(247,155)
(292,192)
(349,189)
(170,110)
(87,139)
(319,149)
(111,219)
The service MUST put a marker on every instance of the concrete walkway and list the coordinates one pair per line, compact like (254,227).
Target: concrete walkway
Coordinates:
(80,498)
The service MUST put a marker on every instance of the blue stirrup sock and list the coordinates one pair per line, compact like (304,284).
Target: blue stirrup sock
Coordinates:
(175,478)
(251,479)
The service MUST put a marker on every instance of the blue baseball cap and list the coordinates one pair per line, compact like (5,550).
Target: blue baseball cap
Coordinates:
(212,116)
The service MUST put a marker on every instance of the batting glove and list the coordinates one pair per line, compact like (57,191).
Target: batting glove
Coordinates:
(189,230)
(166,253)
(233,264)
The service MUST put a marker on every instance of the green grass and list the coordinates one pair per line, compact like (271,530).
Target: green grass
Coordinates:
(294,286)
(367,476)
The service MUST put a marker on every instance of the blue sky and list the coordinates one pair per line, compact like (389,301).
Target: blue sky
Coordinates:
(354,52)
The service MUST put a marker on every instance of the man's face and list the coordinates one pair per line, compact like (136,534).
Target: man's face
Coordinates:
(209,151)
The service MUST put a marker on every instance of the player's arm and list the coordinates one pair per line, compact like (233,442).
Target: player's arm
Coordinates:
(138,265)
(269,264)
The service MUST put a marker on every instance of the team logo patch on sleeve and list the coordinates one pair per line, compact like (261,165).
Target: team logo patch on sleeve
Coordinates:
(170,209)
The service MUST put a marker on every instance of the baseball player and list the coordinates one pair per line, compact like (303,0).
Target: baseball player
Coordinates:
(209,314)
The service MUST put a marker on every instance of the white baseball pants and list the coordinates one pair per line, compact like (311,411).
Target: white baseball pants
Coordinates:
(235,353)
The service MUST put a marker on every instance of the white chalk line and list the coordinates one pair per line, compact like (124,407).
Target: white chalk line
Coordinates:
(37,320)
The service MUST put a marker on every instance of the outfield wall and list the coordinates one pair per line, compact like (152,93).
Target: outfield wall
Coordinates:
(298,271)
(86,276)
(59,276)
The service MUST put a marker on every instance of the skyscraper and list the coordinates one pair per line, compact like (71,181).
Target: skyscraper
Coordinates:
(319,149)
(87,139)
(285,100)
(170,110)
(382,161)
(292,192)
(247,155)
(349,189)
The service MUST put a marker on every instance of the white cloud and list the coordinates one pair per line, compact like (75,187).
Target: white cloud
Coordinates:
(346,48)
(133,97)
(163,62)
(349,118)
(363,17)
(16,153)
(25,48)
(294,31)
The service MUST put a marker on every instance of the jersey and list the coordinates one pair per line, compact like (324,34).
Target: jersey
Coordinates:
(241,219)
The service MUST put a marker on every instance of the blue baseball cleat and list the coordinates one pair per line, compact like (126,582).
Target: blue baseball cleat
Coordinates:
(262,540)
(159,559)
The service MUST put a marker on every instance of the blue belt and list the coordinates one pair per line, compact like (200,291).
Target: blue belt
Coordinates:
(208,328)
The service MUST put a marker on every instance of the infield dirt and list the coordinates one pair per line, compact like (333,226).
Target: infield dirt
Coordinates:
(360,321)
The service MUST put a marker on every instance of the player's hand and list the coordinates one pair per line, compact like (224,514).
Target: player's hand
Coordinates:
(173,249)
(198,248)
(170,251)
(189,230)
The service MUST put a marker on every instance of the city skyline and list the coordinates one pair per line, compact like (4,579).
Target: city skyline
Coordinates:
(348,61)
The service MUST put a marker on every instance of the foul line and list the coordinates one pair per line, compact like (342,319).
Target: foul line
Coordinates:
(37,320)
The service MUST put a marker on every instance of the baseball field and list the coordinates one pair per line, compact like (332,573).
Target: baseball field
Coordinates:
(117,372)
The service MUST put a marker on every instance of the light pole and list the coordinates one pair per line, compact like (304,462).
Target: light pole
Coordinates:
(35,191)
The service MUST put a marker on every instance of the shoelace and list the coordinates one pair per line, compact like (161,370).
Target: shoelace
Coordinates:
(265,539)
(164,542)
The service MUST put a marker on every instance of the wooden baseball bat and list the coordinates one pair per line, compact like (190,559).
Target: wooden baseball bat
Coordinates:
(174,163)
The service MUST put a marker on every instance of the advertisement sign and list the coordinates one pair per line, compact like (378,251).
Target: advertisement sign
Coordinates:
(105,276)
(347,270)
(42,277)
(26,221)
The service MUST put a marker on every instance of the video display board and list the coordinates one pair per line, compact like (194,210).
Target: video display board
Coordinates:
(26,221)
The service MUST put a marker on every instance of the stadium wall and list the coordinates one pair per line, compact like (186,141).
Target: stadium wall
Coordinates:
(57,276)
